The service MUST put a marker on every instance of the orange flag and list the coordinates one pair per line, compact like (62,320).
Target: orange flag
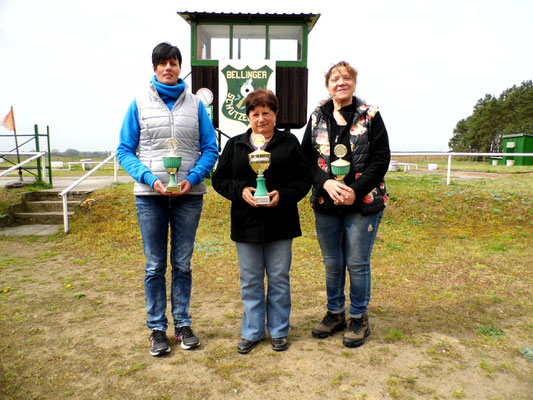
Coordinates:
(8,121)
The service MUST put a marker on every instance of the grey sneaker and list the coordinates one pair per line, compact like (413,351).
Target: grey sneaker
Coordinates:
(159,342)
(186,336)
(357,332)
(330,324)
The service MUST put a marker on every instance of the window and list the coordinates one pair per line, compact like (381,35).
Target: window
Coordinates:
(213,42)
(285,43)
(249,42)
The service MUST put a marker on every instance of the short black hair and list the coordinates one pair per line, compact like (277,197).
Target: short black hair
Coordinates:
(163,52)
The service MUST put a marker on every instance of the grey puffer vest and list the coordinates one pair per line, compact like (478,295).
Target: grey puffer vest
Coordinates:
(157,124)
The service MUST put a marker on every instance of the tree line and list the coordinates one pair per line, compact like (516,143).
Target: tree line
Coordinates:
(77,153)
(493,117)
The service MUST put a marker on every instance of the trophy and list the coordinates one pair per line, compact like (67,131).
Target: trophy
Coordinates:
(340,167)
(172,162)
(260,161)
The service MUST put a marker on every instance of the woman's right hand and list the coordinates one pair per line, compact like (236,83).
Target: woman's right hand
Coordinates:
(159,187)
(248,196)
(339,192)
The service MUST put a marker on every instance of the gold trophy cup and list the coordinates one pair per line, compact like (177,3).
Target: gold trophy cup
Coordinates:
(260,161)
(340,167)
(172,163)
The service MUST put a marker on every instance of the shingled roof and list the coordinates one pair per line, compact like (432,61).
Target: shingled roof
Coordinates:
(206,17)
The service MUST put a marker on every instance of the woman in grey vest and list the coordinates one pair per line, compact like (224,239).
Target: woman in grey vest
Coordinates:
(347,145)
(167,111)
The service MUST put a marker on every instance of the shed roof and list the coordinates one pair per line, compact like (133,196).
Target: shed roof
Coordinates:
(515,135)
(207,17)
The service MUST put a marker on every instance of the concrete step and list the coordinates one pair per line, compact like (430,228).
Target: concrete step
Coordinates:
(53,195)
(49,206)
(44,206)
(40,218)
(31,230)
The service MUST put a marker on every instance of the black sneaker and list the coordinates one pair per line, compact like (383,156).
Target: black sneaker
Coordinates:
(186,336)
(280,344)
(159,343)
(245,346)
(330,324)
(357,332)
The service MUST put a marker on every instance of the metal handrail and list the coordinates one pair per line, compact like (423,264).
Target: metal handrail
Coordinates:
(64,193)
(35,156)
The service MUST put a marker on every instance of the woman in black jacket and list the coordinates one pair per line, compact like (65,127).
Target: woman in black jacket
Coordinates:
(263,233)
(347,211)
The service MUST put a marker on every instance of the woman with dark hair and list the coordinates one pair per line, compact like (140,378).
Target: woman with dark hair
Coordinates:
(263,233)
(166,112)
(348,208)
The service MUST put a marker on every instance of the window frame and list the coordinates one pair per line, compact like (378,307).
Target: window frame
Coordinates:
(200,62)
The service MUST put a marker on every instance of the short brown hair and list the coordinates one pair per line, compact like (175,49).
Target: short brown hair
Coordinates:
(342,64)
(261,97)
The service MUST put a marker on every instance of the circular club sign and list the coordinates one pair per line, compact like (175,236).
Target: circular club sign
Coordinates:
(205,95)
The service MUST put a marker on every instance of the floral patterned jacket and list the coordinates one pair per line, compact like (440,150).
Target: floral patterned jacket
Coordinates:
(368,153)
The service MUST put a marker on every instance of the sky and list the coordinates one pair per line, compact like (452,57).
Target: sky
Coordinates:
(75,66)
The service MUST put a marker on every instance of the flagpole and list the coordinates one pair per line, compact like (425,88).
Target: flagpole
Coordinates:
(16,143)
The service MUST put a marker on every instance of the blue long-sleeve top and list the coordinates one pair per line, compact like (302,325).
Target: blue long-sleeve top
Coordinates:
(130,135)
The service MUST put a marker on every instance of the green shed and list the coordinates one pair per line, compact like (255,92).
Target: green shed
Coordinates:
(235,53)
(518,143)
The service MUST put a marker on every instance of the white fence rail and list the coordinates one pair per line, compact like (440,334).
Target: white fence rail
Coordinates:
(34,155)
(450,155)
(64,193)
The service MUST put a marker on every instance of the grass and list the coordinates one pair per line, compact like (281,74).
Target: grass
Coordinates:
(13,196)
(452,291)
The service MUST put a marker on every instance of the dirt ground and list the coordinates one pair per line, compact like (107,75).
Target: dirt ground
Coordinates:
(73,329)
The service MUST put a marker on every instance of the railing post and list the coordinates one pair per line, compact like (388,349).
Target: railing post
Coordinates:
(43,165)
(49,155)
(115,162)
(37,149)
(65,212)
(449,170)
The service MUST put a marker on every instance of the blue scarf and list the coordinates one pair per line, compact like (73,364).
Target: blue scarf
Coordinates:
(169,94)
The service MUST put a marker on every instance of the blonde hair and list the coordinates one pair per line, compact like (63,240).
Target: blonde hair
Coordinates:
(341,64)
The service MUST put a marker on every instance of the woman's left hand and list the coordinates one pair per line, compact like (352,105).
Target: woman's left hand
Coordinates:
(340,193)
(274,199)
(185,187)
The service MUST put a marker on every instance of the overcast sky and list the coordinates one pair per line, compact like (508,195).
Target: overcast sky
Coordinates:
(76,65)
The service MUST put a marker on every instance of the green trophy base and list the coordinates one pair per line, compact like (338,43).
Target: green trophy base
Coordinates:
(261,193)
(173,186)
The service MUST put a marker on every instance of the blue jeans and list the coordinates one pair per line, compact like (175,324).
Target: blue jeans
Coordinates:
(155,214)
(255,260)
(346,242)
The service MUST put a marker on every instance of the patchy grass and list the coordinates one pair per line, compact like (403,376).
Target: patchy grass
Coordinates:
(450,312)
(9,197)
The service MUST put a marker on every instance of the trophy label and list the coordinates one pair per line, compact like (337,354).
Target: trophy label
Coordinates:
(262,200)
(173,189)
